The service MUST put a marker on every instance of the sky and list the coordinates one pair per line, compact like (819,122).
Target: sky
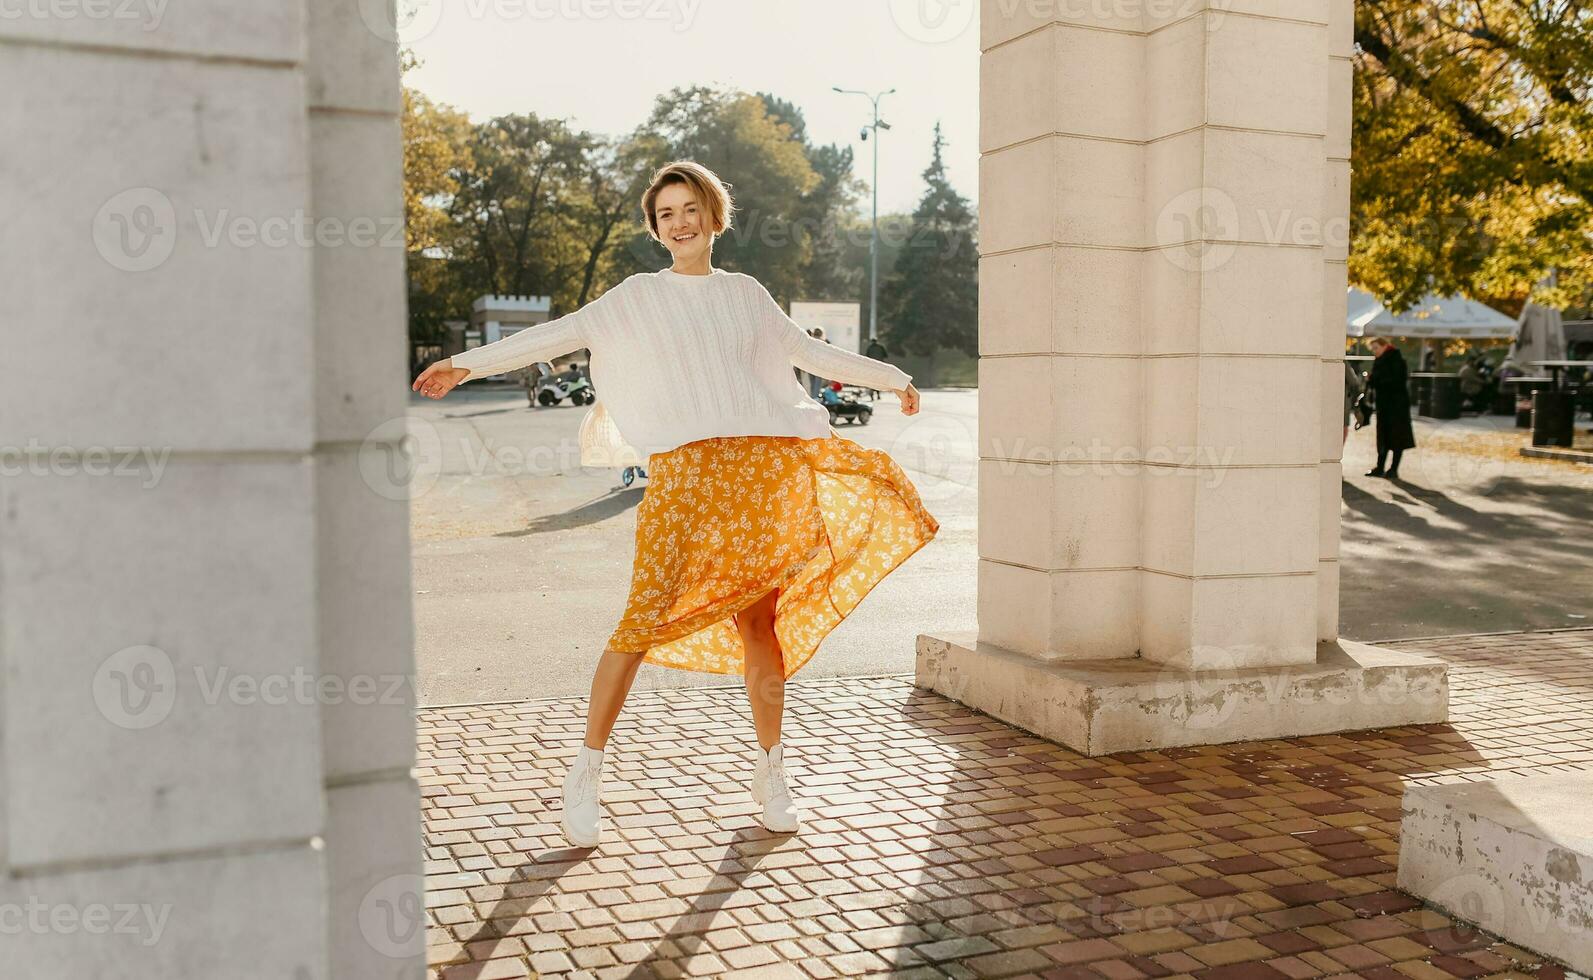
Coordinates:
(490,57)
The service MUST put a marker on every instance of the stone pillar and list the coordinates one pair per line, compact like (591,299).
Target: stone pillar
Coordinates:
(1152,476)
(206,707)
(1335,282)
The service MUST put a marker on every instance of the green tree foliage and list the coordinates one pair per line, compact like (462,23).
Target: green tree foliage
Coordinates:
(931,299)
(436,151)
(1472,164)
(521,204)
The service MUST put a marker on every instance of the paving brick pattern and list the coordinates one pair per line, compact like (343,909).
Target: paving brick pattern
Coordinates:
(941,843)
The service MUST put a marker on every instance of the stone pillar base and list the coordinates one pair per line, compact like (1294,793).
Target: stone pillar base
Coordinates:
(1513,856)
(1098,707)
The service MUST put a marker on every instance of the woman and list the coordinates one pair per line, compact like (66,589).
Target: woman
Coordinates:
(761,528)
(1391,403)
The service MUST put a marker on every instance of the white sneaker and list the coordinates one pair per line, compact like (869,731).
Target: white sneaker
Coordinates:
(769,788)
(582,820)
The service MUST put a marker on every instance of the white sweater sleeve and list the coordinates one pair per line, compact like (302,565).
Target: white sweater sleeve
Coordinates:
(541,342)
(827,360)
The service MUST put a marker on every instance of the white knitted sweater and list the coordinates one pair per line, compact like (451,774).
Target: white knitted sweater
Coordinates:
(676,358)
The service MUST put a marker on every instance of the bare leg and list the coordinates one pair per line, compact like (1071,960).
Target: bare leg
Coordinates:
(610,685)
(765,668)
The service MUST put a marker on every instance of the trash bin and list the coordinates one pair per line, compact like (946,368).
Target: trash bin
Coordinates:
(1552,416)
(1521,389)
(1421,393)
(1443,399)
(1504,401)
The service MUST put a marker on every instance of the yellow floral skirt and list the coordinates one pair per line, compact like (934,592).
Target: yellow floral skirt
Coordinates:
(725,520)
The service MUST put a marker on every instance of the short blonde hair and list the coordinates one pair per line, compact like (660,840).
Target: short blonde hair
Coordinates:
(710,191)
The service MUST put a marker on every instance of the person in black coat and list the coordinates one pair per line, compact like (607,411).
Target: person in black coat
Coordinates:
(1388,381)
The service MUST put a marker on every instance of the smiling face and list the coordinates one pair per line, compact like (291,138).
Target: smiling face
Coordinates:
(682,223)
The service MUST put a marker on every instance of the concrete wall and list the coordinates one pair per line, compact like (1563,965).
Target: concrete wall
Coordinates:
(206,715)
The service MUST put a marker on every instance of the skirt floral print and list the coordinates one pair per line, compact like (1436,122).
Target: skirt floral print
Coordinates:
(725,520)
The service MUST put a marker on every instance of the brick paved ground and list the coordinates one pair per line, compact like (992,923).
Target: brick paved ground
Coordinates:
(942,843)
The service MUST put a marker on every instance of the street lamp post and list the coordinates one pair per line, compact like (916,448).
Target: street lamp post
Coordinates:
(873,239)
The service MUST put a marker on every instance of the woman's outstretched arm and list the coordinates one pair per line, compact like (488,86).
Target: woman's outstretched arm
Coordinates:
(541,342)
(827,360)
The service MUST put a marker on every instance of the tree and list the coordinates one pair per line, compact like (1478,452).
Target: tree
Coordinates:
(825,215)
(930,300)
(436,141)
(1471,151)
(523,180)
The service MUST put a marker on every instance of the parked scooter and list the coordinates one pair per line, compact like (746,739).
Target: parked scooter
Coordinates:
(572,384)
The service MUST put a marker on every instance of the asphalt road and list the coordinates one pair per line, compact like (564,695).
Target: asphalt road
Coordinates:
(522,557)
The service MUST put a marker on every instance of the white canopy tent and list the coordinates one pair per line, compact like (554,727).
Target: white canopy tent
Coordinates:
(1434,316)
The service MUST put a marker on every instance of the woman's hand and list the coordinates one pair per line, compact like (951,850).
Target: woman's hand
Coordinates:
(909,397)
(439,378)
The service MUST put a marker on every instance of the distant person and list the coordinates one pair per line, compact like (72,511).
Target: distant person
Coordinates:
(815,383)
(1474,388)
(877,351)
(1388,380)
(1429,357)
(1353,386)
